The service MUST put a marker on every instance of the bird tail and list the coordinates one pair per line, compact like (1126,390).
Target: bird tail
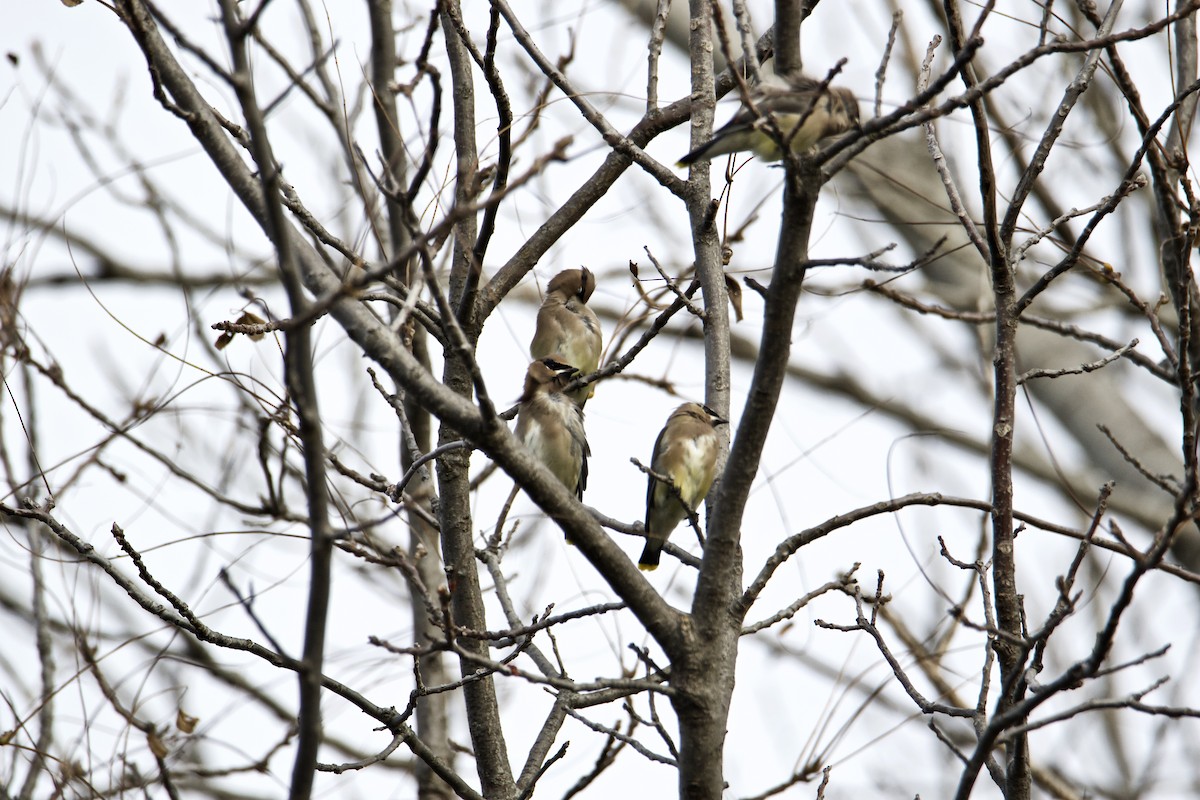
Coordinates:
(694,156)
(701,153)
(650,555)
(729,139)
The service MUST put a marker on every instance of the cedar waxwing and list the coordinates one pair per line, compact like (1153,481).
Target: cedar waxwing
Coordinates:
(685,452)
(831,112)
(567,328)
(551,425)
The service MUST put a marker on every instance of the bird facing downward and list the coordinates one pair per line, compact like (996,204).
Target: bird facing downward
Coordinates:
(551,425)
(804,112)
(686,453)
(567,328)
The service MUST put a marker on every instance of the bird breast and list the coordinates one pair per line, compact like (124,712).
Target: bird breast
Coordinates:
(696,477)
(558,440)
(578,338)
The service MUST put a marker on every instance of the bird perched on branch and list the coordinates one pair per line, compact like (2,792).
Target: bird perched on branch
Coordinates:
(551,425)
(686,454)
(804,112)
(567,328)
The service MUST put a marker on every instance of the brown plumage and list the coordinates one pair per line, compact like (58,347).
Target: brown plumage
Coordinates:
(551,425)
(567,328)
(805,115)
(685,452)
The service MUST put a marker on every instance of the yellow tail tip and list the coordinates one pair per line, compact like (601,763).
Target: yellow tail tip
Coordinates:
(647,567)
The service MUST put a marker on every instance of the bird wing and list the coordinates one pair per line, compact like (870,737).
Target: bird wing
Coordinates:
(653,483)
(581,441)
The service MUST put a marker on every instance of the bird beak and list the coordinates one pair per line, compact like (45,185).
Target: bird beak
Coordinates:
(566,374)
(715,418)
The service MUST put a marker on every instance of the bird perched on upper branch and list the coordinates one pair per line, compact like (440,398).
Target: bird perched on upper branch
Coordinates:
(686,453)
(567,328)
(804,112)
(551,425)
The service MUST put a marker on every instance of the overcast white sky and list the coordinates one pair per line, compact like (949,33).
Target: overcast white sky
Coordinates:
(825,455)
